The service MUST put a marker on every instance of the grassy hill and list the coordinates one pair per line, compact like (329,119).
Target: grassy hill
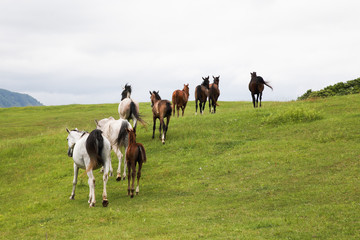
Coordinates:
(13,99)
(289,170)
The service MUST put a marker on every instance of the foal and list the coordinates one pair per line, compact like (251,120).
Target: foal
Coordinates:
(180,99)
(256,87)
(134,154)
(201,94)
(214,93)
(161,109)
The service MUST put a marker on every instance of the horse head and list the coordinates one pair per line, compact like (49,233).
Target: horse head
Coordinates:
(206,82)
(154,97)
(72,138)
(186,90)
(126,92)
(216,80)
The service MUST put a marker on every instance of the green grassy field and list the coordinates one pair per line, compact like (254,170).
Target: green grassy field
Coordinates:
(289,170)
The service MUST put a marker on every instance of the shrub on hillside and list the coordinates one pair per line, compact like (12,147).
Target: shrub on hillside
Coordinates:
(338,89)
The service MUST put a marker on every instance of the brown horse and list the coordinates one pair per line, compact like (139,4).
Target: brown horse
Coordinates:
(201,94)
(135,154)
(180,99)
(256,87)
(214,93)
(161,109)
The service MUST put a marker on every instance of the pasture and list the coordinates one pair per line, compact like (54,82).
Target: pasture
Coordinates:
(288,170)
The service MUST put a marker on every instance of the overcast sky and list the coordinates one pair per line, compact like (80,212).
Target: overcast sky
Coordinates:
(64,52)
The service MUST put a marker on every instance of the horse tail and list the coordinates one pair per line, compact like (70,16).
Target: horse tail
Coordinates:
(198,92)
(133,111)
(142,153)
(94,146)
(122,133)
(261,80)
(168,108)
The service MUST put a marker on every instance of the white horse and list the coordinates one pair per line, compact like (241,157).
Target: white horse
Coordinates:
(89,151)
(129,109)
(115,131)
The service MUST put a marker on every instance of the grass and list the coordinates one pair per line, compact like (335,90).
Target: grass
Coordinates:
(289,170)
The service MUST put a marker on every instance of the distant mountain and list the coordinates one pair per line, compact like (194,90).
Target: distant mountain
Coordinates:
(13,99)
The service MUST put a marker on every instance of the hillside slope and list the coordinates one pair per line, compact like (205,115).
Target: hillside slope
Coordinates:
(13,99)
(288,170)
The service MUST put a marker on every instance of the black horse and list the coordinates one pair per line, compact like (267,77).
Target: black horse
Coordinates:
(256,87)
(201,94)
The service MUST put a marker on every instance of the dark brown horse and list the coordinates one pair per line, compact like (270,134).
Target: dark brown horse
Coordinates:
(214,94)
(135,154)
(161,109)
(256,87)
(201,94)
(180,99)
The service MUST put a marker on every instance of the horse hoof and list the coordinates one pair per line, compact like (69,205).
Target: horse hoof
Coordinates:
(72,197)
(105,203)
(118,179)
(92,205)
(132,195)
(123,178)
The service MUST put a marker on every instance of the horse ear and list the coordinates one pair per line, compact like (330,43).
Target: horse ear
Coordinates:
(67,130)
(150,92)
(213,77)
(157,92)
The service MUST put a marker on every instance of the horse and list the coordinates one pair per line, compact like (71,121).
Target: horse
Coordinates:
(89,151)
(180,99)
(214,94)
(161,109)
(128,109)
(256,87)
(135,153)
(201,94)
(115,131)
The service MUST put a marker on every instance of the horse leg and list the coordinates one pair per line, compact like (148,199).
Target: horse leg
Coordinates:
(154,125)
(162,124)
(166,127)
(76,171)
(257,100)
(204,106)
(209,105)
(178,109)
(183,110)
(173,108)
(91,182)
(138,178)
(214,106)
(134,122)
(133,175)
(119,155)
(260,98)
(125,162)
(253,98)
(105,201)
(196,106)
(129,176)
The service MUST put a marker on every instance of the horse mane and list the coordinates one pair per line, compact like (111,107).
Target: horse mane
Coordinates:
(157,96)
(127,89)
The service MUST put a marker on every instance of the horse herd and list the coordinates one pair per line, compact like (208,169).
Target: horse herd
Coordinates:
(92,150)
